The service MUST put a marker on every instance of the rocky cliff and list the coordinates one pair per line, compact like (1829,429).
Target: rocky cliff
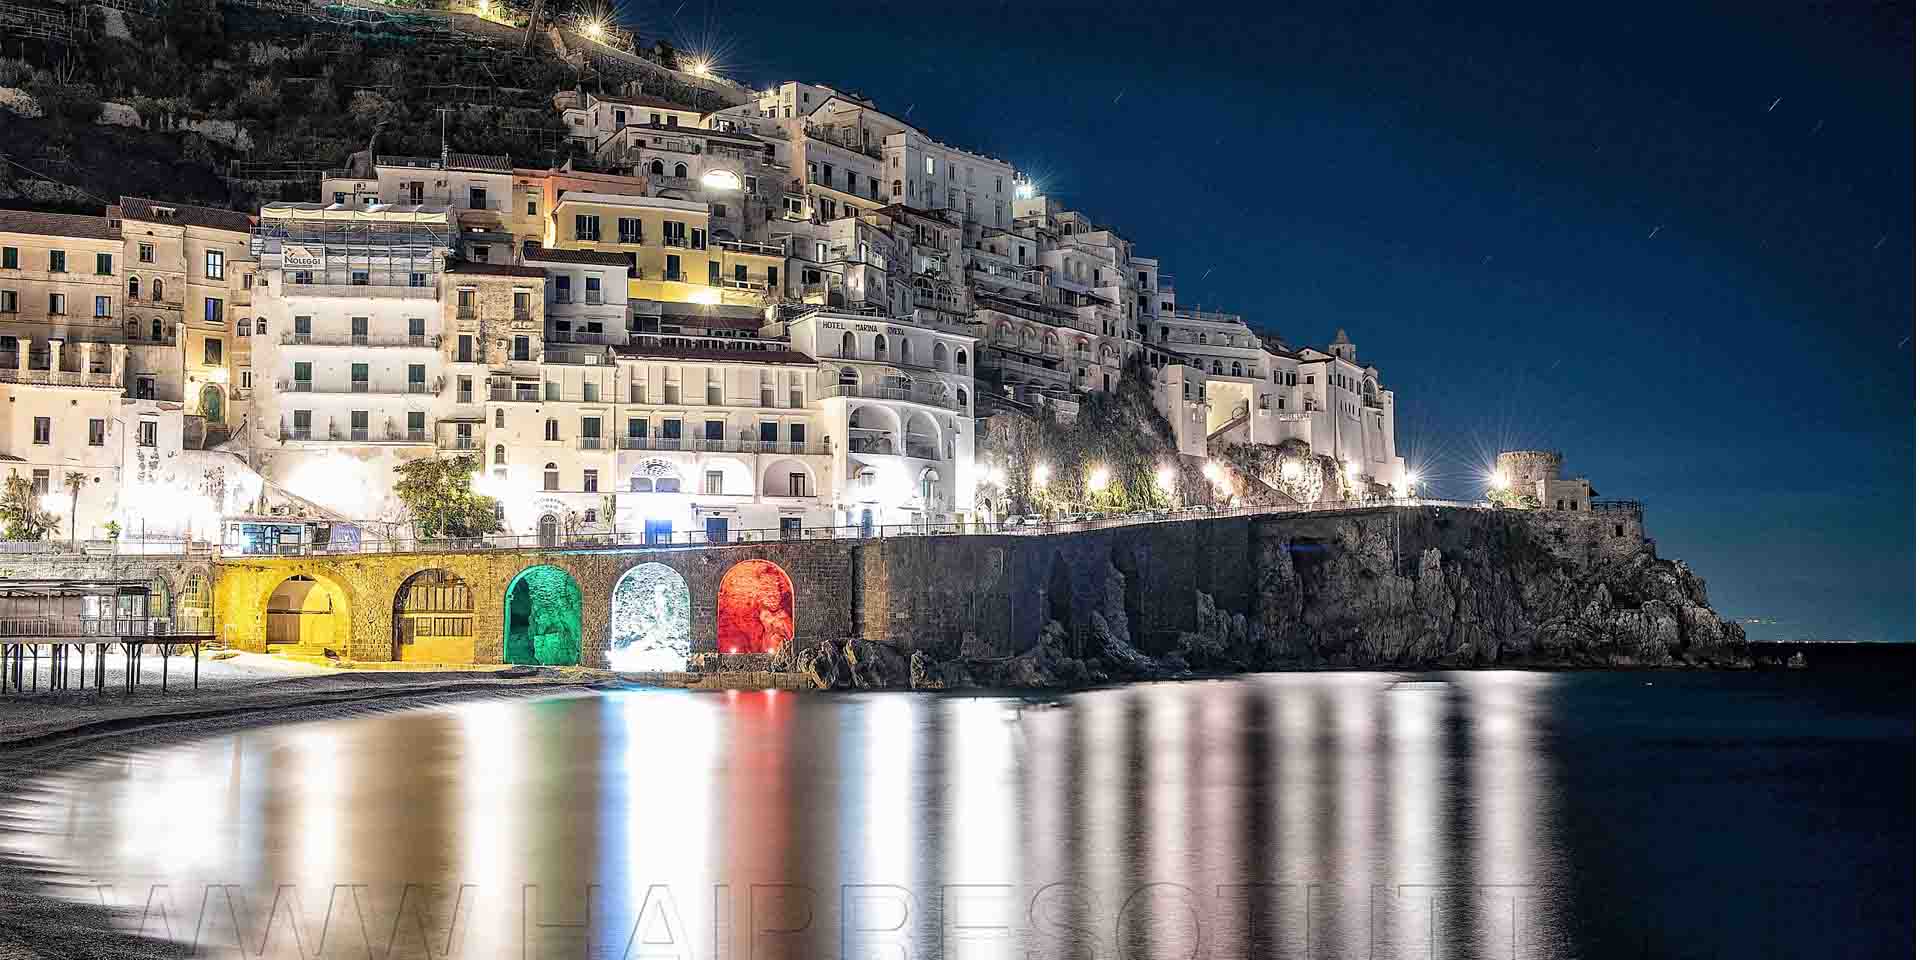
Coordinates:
(1405,590)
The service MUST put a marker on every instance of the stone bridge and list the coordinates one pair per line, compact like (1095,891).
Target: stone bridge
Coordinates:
(642,608)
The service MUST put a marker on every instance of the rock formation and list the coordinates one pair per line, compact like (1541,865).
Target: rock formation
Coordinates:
(1498,592)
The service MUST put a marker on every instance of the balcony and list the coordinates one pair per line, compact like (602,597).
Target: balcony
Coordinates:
(900,394)
(334,433)
(696,445)
(351,387)
(360,290)
(58,378)
(427,341)
(513,396)
(595,443)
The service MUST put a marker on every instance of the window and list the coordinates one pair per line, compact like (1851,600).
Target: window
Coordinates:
(416,378)
(482,253)
(797,433)
(244,328)
(477,199)
(630,231)
(158,334)
(10,257)
(929,166)
(213,352)
(590,481)
(533,206)
(416,280)
(10,302)
(716,483)
(552,429)
(96,433)
(716,430)
(673,267)
(522,304)
(103,306)
(56,303)
(499,454)
(42,482)
(522,348)
(593,290)
(42,429)
(586,227)
(56,261)
(357,424)
(550,477)
(103,264)
(246,379)
(150,429)
(216,310)
(563,288)
(216,265)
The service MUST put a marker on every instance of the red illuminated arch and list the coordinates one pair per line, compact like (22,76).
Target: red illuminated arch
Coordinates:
(756,608)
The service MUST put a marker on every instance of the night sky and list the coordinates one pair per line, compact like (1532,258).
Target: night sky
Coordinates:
(1674,241)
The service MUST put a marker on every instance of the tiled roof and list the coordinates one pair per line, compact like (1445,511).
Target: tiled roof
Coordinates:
(492,163)
(495,269)
(534,251)
(57,225)
(161,211)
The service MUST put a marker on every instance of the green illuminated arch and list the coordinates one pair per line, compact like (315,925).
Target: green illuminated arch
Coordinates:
(543,617)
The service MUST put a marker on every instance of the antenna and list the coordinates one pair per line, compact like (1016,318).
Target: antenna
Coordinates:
(443,111)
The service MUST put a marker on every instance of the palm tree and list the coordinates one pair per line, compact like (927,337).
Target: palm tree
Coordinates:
(74,480)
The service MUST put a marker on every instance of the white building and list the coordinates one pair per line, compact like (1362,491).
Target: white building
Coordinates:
(352,350)
(900,398)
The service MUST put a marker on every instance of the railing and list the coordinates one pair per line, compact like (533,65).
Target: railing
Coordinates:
(889,393)
(509,396)
(364,290)
(77,626)
(352,434)
(1021,526)
(58,378)
(357,340)
(698,445)
(1615,506)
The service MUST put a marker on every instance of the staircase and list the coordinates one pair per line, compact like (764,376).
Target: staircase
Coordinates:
(1239,420)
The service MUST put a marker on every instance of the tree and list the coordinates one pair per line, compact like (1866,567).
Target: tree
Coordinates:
(21,513)
(73,481)
(438,494)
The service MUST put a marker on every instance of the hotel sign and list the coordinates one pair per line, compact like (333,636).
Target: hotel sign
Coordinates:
(296,257)
(863,327)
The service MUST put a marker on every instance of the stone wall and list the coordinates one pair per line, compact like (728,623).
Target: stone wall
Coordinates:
(1392,586)
(821,573)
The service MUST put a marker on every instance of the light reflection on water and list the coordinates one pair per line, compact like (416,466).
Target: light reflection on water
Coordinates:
(1285,815)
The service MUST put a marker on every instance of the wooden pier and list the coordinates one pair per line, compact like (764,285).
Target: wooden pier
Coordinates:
(59,620)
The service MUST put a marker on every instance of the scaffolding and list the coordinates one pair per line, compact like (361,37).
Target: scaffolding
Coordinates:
(65,25)
(341,245)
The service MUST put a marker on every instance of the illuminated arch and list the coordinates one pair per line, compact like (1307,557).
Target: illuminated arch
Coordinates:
(755,608)
(542,622)
(652,620)
(307,612)
(433,618)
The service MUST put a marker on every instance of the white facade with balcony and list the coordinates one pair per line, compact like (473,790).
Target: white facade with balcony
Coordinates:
(900,396)
(352,357)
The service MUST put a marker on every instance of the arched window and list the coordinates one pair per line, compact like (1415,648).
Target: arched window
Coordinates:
(553,429)
(847,377)
(1216,366)
(640,484)
(879,346)
(657,168)
(846,344)
(906,351)
(159,289)
(550,477)
(500,418)
(156,324)
(244,327)
(939,355)
(960,361)
(680,170)
(499,453)
(961,394)
(133,328)
(133,288)
(1236,368)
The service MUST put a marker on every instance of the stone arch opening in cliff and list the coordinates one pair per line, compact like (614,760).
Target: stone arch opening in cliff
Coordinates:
(756,608)
(542,617)
(308,613)
(652,620)
(433,618)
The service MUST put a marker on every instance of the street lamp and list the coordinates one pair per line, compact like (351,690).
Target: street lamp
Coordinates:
(1040,474)
(1097,478)
(1497,480)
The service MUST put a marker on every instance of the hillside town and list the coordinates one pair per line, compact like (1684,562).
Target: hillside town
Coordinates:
(795,312)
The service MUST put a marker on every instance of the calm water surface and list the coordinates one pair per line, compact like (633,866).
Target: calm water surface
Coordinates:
(1325,815)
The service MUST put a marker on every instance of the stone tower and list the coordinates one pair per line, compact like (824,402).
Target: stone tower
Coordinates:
(1342,347)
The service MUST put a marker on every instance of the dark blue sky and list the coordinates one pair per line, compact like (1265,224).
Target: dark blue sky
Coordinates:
(1574,227)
